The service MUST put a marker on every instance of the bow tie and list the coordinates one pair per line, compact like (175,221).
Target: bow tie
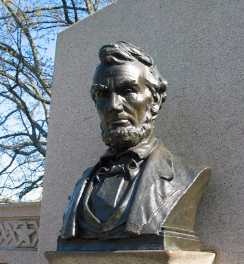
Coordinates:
(107,172)
(126,170)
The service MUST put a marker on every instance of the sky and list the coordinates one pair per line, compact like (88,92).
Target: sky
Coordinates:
(47,43)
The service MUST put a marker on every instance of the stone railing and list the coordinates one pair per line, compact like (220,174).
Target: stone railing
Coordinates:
(19,224)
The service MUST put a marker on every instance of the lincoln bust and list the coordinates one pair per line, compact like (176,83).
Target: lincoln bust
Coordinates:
(139,195)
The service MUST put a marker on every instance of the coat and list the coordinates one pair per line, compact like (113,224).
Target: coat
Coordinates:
(164,184)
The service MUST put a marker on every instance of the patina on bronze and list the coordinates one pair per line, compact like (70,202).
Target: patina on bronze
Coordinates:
(139,195)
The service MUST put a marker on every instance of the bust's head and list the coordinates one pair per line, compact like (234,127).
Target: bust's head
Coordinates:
(128,92)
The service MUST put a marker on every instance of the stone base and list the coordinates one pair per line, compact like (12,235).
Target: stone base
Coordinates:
(131,257)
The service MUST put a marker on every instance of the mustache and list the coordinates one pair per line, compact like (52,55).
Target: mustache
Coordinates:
(119,117)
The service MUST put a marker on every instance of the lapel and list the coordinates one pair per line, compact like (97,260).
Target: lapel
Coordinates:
(69,228)
(156,193)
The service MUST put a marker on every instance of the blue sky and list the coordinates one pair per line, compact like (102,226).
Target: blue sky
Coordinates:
(46,40)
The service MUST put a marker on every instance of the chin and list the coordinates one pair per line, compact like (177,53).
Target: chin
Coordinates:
(125,137)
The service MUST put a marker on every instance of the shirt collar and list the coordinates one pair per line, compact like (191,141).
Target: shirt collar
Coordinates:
(142,150)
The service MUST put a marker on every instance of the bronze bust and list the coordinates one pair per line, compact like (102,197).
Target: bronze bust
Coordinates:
(139,195)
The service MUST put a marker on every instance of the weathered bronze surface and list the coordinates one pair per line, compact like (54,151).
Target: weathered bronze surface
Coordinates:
(139,195)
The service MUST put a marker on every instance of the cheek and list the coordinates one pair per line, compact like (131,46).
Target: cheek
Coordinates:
(100,105)
(141,104)
(100,110)
(141,100)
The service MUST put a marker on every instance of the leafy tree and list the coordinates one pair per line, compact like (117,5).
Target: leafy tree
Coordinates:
(28,30)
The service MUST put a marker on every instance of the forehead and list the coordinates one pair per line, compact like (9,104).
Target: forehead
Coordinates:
(129,71)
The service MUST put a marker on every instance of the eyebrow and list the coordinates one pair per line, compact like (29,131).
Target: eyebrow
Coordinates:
(121,85)
(131,83)
(96,86)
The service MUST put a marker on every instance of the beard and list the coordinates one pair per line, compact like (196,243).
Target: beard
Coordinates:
(125,137)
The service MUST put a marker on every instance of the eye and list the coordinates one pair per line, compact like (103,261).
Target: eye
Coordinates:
(99,93)
(125,90)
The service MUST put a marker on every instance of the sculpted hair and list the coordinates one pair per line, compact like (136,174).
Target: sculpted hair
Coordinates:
(121,52)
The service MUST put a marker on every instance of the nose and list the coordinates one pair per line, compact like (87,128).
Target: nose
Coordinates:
(116,102)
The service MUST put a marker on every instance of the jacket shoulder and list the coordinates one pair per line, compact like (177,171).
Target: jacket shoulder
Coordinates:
(188,171)
(179,169)
(85,175)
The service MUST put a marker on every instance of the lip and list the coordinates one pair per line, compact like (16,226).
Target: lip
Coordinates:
(120,122)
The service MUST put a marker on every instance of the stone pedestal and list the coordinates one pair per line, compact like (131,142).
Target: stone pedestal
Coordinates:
(131,257)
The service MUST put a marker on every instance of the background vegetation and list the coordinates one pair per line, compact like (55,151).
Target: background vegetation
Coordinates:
(28,32)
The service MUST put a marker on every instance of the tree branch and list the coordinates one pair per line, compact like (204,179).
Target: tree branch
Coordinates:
(75,10)
(25,31)
(7,116)
(90,6)
(9,164)
(66,12)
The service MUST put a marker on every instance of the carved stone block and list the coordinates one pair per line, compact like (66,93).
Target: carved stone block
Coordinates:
(18,234)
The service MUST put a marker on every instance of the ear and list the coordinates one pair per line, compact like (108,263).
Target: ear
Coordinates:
(156,105)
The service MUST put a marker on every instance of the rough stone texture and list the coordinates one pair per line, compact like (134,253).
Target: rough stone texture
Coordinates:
(143,257)
(198,46)
(20,210)
(19,224)
(18,233)
(26,256)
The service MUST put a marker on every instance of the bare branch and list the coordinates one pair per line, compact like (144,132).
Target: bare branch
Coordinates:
(51,8)
(12,52)
(32,185)
(90,6)
(18,134)
(75,10)
(25,31)
(25,84)
(7,116)
(96,4)
(66,12)
(9,164)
